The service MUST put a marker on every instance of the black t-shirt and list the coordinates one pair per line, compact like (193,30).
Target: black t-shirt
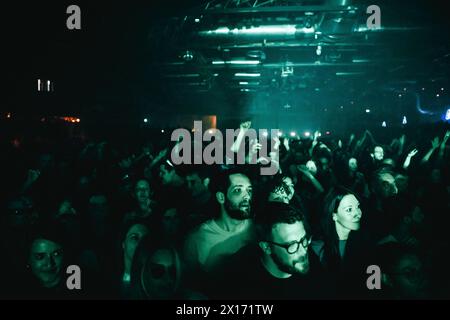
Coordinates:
(244,277)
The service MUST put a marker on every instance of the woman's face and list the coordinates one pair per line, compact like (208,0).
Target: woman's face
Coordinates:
(132,239)
(46,262)
(159,277)
(348,213)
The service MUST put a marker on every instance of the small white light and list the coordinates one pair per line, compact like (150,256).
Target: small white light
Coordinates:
(442,89)
(197,20)
(307,134)
(437,95)
(400,95)
(145,120)
(280,133)
(404,121)
(39,84)
(210,131)
(292,133)
(367,110)
(383,124)
(265,134)
(162,131)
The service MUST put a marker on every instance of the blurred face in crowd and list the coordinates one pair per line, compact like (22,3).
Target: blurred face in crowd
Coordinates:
(195,185)
(237,201)
(415,219)
(168,176)
(171,222)
(387,186)
(98,207)
(353,164)
(159,277)
(132,239)
(348,213)
(46,262)
(401,181)
(408,279)
(286,234)
(142,191)
(324,164)
(21,212)
(378,153)
(311,166)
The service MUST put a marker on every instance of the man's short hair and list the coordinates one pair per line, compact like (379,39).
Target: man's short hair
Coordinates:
(274,213)
(221,181)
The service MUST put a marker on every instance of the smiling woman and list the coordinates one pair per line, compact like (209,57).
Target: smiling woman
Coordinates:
(342,247)
(47,258)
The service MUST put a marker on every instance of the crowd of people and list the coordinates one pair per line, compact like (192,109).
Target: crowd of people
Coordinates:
(140,227)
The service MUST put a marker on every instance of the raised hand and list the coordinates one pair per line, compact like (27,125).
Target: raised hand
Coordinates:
(245,125)
(446,136)
(412,153)
(435,142)
(255,146)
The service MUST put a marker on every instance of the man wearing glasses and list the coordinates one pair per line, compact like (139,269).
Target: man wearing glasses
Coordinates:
(279,267)
(284,240)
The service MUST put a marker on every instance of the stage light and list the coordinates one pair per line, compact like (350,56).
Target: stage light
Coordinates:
(307,134)
(280,133)
(328,132)
(145,120)
(162,131)
(292,134)
(437,95)
(447,115)
(367,110)
(252,75)
(383,124)
(404,121)
(197,20)
(400,95)
(319,50)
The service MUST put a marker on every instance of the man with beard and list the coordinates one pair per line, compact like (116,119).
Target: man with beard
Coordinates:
(231,229)
(279,267)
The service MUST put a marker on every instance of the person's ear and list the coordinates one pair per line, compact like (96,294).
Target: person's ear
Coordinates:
(265,247)
(206,182)
(220,197)
(334,216)
(386,280)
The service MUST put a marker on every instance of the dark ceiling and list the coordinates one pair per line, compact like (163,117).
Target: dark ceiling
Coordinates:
(232,58)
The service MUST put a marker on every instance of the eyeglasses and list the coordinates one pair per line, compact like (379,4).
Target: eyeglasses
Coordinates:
(158,271)
(293,247)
